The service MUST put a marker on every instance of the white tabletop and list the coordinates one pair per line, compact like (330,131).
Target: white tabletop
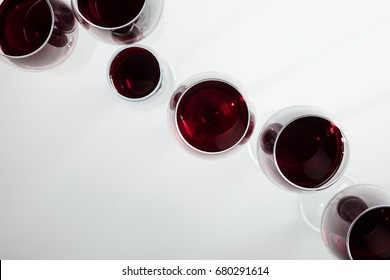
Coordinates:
(86,174)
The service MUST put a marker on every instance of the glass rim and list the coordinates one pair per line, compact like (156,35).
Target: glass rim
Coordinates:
(337,172)
(160,66)
(355,221)
(43,44)
(113,28)
(206,79)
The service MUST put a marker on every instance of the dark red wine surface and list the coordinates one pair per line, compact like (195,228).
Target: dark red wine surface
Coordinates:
(113,13)
(370,235)
(135,72)
(212,116)
(24,26)
(309,151)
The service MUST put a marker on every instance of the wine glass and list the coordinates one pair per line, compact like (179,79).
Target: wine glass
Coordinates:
(36,34)
(301,148)
(356,223)
(118,21)
(210,115)
(136,73)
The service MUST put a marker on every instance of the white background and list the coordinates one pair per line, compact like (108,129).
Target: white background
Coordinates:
(85,174)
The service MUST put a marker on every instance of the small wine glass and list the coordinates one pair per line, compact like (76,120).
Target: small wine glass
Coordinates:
(137,73)
(118,21)
(36,34)
(210,115)
(356,223)
(301,148)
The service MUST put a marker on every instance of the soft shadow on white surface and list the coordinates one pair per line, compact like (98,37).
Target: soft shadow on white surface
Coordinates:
(80,56)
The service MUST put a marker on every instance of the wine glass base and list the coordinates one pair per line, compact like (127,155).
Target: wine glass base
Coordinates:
(312,205)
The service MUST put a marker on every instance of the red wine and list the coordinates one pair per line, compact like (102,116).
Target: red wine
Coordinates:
(370,235)
(268,138)
(250,130)
(135,72)
(309,151)
(110,13)
(25,26)
(212,116)
(36,34)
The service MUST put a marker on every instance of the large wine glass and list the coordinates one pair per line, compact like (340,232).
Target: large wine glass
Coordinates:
(302,148)
(36,34)
(118,21)
(356,223)
(210,115)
